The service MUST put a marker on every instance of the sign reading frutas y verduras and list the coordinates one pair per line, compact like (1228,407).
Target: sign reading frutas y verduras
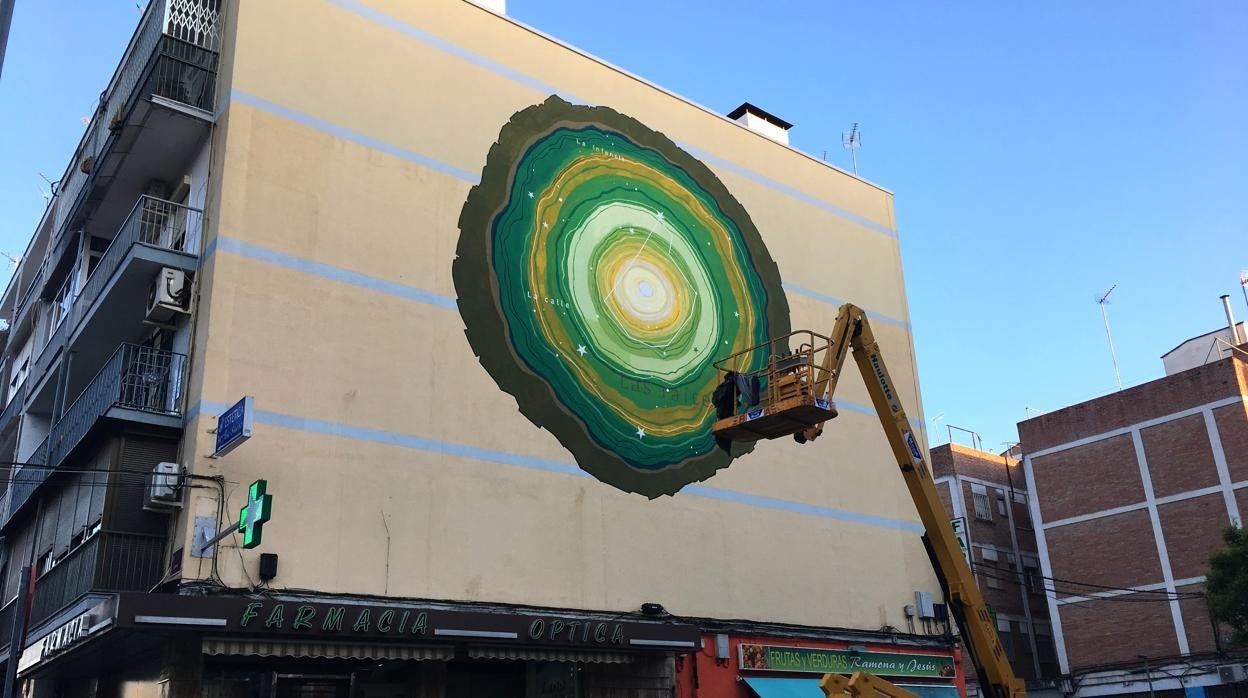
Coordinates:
(823,661)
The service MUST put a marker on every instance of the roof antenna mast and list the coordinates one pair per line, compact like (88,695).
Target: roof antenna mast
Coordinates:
(1103,301)
(851,139)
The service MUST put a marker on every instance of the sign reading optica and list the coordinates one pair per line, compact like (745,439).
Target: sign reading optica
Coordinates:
(234,426)
(822,661)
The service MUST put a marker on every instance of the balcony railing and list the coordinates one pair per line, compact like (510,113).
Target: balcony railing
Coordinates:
(8,417)
(26,479)
(6,619)
(155,63)
(109,561)
(153,222)
(135,378)
(27,300)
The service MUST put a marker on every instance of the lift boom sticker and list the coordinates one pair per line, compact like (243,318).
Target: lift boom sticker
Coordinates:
(601,270)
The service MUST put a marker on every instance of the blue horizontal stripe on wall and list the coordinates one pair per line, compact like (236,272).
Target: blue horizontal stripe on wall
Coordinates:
(832,300)
(441,44)
(328,271)
(378,436)
(544,88)
(783,188)
(373,283)
(353,136)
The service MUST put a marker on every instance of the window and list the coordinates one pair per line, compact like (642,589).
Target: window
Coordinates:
(64,301)
(1031,569)
(1001,502)
(988,554)
(19,376)
(45,562)
(983,508)
(992,582)
(1007,640)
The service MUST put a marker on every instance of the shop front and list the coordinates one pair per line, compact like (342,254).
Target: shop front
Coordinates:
(177,646)
(732,665)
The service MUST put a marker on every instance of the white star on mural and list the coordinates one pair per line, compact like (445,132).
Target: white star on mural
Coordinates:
(659,215)
(736,314)
(640,432)
(530,195)
(581,350)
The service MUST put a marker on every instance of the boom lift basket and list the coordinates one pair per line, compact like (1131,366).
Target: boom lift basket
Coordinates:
(790,398)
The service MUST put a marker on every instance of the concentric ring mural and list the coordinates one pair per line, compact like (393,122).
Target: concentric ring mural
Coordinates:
(601,270)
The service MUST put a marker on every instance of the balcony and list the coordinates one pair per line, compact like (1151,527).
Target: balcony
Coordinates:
(109,561)
(6,621)
(156,109)
(137,384)
(27,301)
(156,233)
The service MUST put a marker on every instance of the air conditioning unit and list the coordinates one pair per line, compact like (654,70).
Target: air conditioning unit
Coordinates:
(1232,673)
(169,296)
(164,492)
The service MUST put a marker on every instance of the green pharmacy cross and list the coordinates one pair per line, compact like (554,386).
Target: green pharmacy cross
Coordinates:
(251,518)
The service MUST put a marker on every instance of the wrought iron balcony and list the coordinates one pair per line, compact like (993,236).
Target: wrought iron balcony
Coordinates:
(137,384)
(24,305)
(108,561)
(6,620)
(172,56)
(154,223)
(8,417)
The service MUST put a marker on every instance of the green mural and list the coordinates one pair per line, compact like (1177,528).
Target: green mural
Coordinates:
(601,270)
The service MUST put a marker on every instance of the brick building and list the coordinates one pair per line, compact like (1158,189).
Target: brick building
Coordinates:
(1131,491)
(987,493)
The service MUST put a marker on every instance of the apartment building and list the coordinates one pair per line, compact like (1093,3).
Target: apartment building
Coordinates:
(1130,493)
(986,496)
(448,291)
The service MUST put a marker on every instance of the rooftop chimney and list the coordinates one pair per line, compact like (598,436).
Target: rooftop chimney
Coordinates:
(759,121)
(1230,320)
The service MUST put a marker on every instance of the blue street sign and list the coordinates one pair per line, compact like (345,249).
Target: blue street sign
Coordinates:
(234,426)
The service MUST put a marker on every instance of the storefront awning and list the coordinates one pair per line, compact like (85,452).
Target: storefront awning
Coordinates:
(324,650)
(809,688)
(549,655)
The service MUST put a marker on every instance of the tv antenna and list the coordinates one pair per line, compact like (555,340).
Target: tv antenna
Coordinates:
(1103,301)
(851,139)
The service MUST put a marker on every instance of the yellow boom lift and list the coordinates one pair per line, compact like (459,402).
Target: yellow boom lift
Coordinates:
(794,397)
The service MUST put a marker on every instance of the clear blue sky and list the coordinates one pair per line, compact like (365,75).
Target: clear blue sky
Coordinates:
(1039,153)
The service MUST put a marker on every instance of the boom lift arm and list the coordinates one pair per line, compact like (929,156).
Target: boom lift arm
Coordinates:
(796,383)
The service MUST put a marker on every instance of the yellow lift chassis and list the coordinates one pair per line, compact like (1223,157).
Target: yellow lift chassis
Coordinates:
(795,398)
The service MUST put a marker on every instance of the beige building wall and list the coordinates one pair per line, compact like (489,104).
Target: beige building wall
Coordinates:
(348,138)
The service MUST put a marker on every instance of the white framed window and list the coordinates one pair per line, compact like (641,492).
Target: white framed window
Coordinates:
(988,554)
(1001,502)
(983,508)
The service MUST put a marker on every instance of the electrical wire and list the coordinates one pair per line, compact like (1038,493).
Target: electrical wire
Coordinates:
(1142,596)
(987,572)
(1124,594)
